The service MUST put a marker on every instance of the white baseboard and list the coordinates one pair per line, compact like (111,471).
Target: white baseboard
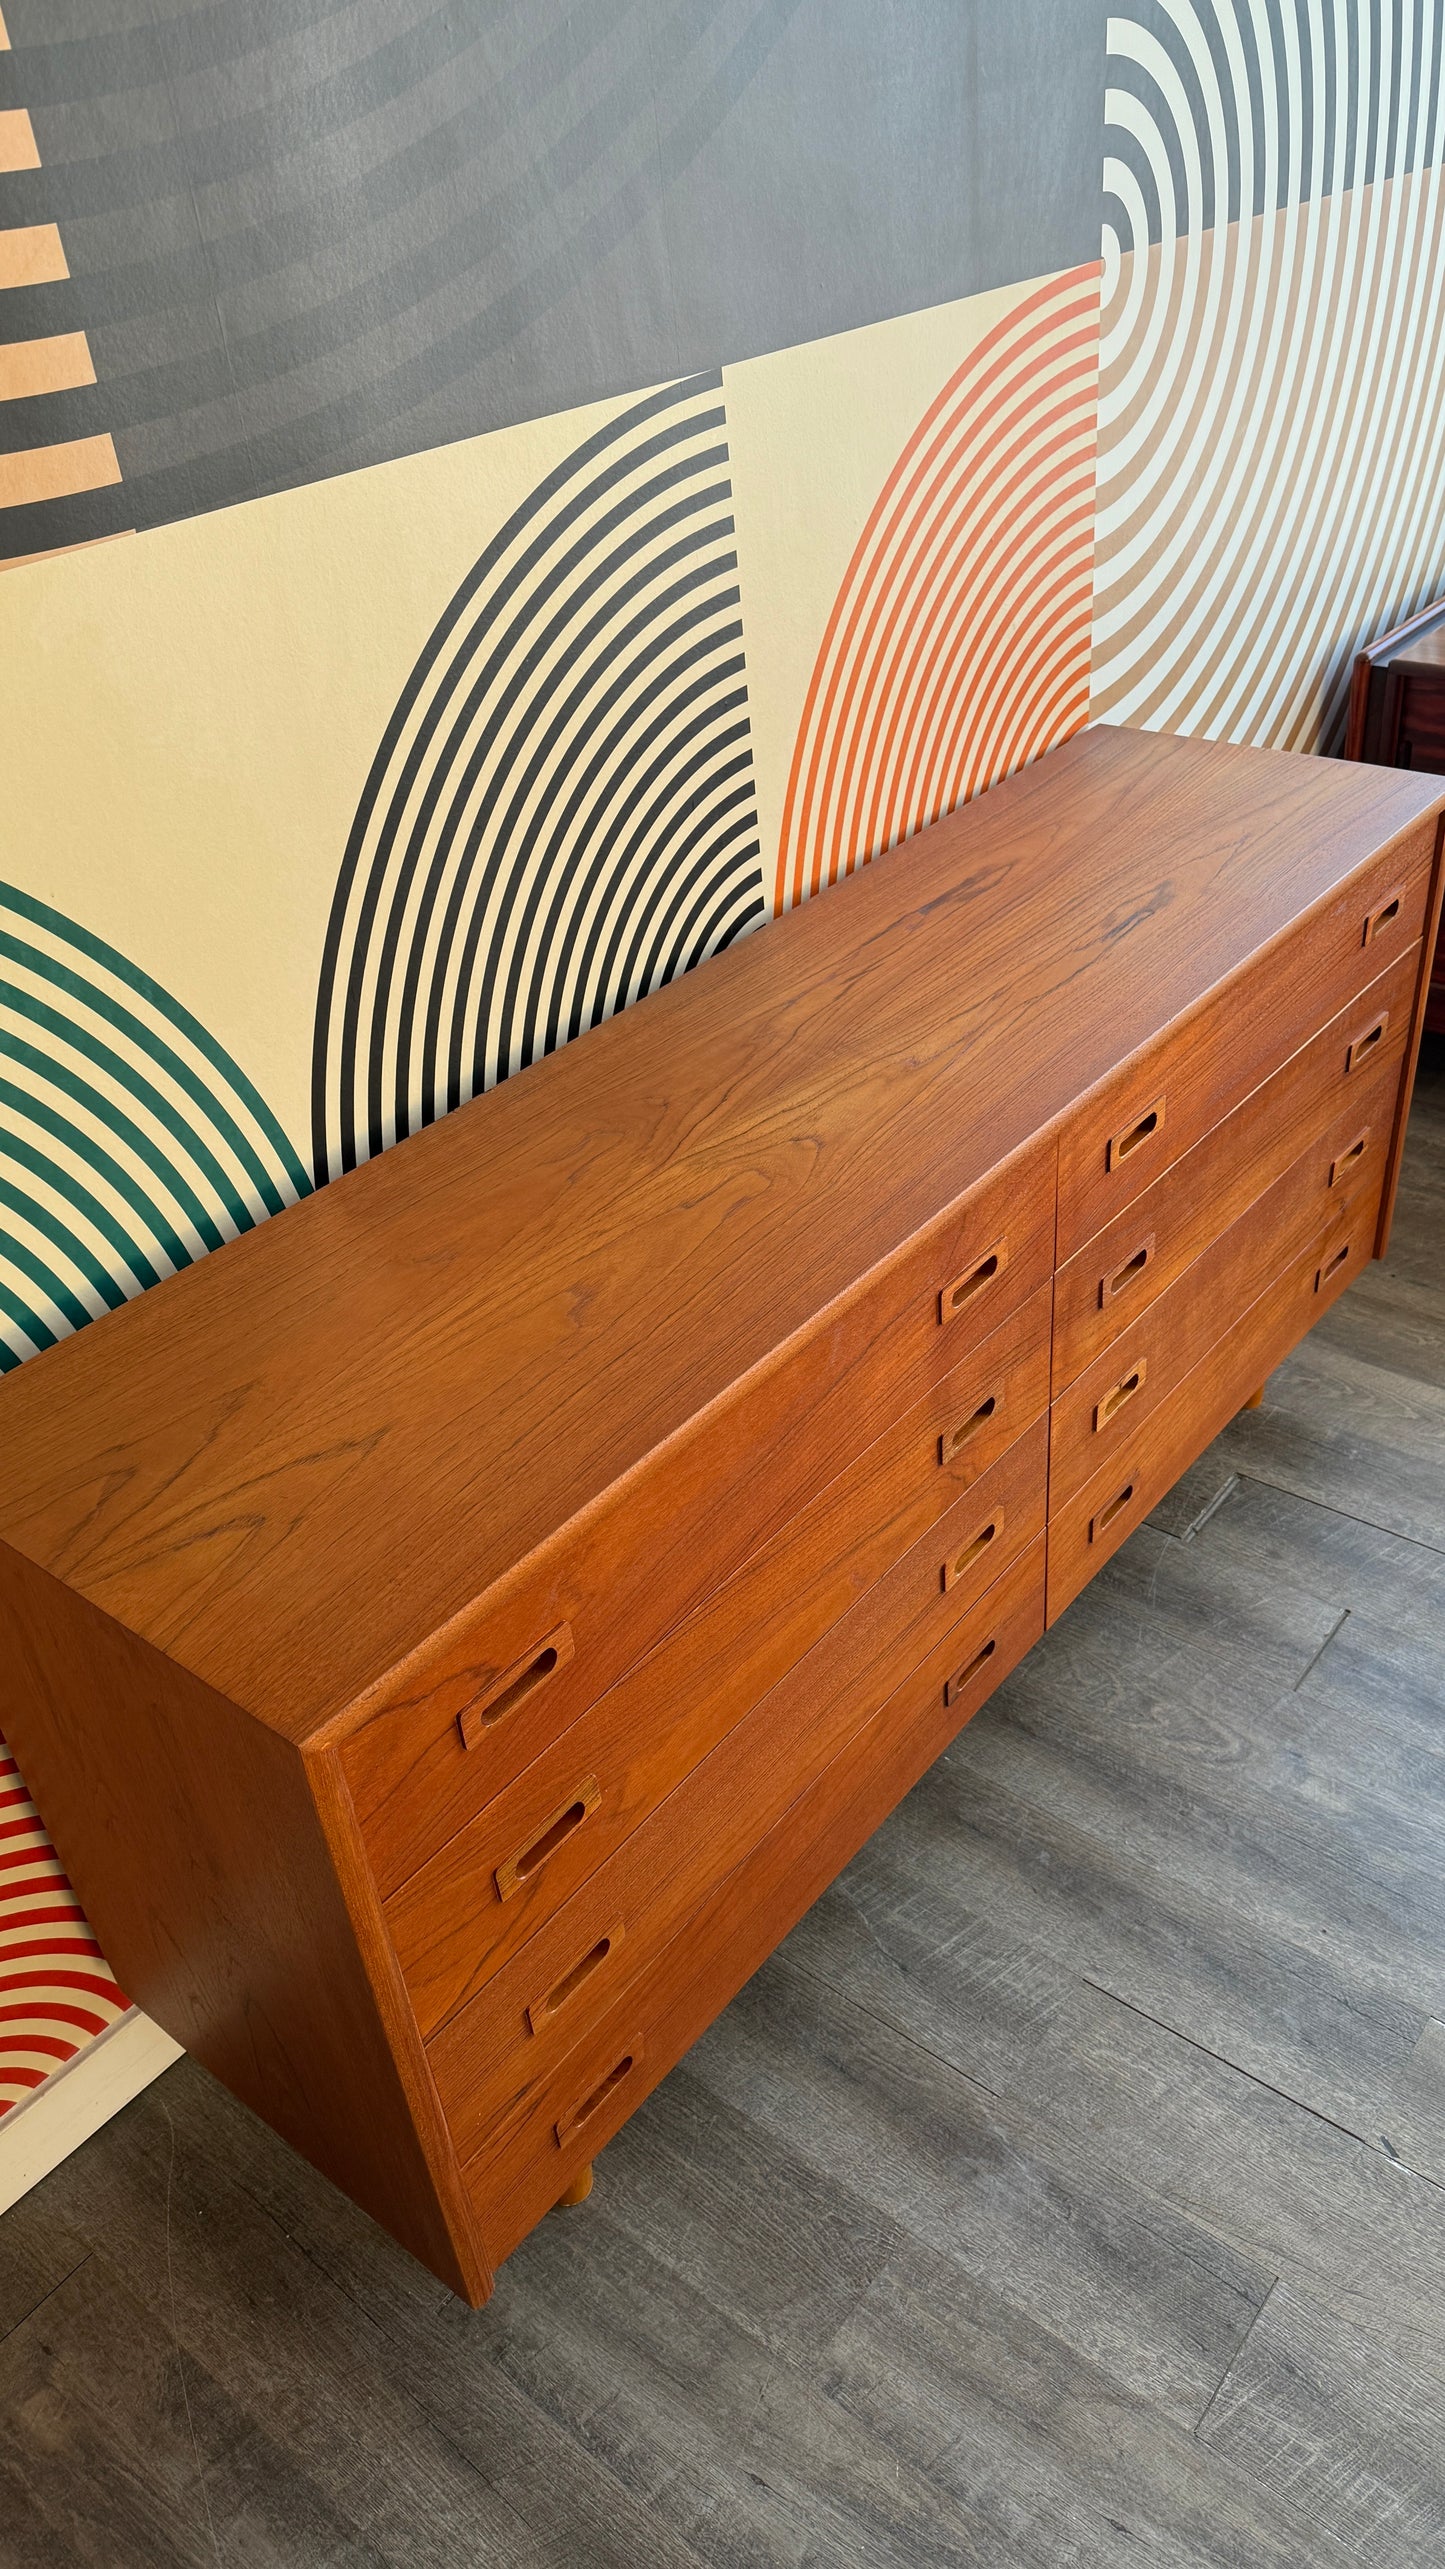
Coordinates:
(36,2136)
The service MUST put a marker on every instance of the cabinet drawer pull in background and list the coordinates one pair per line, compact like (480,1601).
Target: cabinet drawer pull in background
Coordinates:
(1388,910)
(956,1685)
(1126,1275)
(965,1289)
(972,1553)
(542,2010)
(1331,1267)
(520,1868)
(571,2123)
(502,1693)
(1367,1043)
(1348,1159)
(958,1438)
(1123,1145)
(1105,1518)
(1122,1393)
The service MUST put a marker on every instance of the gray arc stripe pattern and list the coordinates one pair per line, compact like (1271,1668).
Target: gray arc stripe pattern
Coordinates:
(561,816)
(130,1142)
(1218,113)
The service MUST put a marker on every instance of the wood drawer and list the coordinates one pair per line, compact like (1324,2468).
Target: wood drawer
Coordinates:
(1141,1120)
(459,1920)
(559,1631)
(611,1929)
(1115,1500)
(533,2152)
(1105,1288)
(1107,1405)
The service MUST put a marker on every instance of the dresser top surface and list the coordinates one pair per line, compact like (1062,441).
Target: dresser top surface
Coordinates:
(289,1464)
(1424,656)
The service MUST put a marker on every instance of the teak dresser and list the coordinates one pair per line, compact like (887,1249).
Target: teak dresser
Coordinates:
(455,1631)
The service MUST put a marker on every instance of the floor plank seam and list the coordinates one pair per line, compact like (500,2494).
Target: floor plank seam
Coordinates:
(1319,1654)
(1327,1507)
(1197,2429)
(49,2295)
(875,2015)
(1378,2148)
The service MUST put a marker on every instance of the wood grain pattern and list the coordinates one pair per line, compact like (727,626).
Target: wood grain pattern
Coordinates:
(379,1406)
(672,1536)
(242,1917)
(1110,1401)
(1177,1088)
(1096,1297)
(1118,1496)
(448,1924)
(491,2054)
(523,2168)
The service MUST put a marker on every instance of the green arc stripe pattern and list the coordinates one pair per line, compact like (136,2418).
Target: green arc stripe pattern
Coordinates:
(130,1142)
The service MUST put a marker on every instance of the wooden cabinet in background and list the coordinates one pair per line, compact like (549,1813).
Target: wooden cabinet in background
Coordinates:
(455,1631)
(1397,719)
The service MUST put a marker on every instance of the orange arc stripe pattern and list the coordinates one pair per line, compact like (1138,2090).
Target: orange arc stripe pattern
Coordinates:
(958,646)
(56,1993)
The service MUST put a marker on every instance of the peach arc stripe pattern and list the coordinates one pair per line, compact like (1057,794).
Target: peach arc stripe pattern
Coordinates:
(56,1994)
(957,649)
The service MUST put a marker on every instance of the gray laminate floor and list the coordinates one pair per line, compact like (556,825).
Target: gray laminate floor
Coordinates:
(1070,2190)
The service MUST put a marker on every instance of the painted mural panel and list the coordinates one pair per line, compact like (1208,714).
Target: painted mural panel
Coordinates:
(298,240)
(919,607)
(57,1993)
(1272,394)
(560,816)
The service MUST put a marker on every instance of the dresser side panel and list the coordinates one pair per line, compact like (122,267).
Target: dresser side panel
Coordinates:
(194,1840)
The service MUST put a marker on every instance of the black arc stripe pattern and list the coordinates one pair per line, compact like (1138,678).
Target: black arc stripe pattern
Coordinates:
(561,815)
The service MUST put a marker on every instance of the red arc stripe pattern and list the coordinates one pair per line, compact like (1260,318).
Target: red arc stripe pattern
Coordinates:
(958,645)
(49,2008)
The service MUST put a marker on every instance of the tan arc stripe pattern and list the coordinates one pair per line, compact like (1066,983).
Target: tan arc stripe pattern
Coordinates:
(32,254)
(53,472)
(1271,441)
(17,140)
(30,366)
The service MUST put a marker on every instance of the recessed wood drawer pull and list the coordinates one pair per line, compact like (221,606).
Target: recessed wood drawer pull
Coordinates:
(973,1552)
(959,1438)
(956,1685)
(1100,1524)
(1367,1043)
(1348,1159)
(542,2010)
(527,1863)
(1122,1146)
(1388,910)
(966,1288)
(1122,1393)
(1331,1267)
(506,1688)
(591,2104)
(1130,1272)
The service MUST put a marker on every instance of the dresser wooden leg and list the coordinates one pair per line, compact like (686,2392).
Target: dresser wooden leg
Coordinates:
(579,2189)
(1255,1398)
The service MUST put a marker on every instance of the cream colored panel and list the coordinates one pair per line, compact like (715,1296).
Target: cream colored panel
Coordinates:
(188,720)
